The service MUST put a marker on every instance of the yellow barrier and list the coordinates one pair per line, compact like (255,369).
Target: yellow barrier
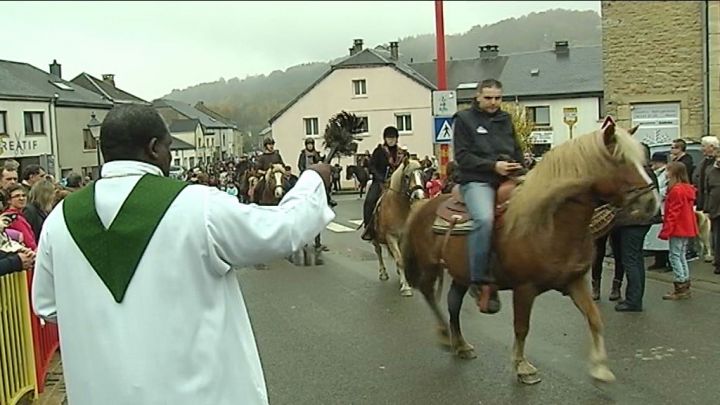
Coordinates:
(17,363)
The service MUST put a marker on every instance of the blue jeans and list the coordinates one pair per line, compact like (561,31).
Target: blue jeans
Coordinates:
(631,253)
(678,259)
(480,201)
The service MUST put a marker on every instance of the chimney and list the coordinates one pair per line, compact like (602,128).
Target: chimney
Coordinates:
(357,47)
(562,48)
(56,69)
(488,51)
(394,54)
(109,78)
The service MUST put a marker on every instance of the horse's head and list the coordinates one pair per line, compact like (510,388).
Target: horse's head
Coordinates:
(626,184)
(274,179)
(407,179)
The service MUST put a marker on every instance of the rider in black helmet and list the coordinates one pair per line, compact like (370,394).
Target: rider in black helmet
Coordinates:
(309,155)
(269,157)
(384,160)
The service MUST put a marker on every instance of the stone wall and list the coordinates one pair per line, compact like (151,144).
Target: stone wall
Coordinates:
(653,52)
(714,44)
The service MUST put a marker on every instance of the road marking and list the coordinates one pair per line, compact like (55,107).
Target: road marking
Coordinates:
(357,222)
(335,227)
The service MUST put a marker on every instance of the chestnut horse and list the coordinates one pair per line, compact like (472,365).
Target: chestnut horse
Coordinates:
(391,212)
(543,242)
(269,189)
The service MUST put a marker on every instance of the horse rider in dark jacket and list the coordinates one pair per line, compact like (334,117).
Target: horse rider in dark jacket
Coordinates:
(269,157)
(383,161)
(486,151)
(308,157)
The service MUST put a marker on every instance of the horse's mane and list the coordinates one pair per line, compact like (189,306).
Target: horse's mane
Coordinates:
(564,171)
(396,178)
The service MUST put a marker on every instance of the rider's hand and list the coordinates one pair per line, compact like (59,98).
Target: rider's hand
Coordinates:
(505,168)
(325,172)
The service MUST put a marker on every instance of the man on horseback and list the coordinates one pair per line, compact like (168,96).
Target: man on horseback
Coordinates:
(384,160)
(482,133)
(269,157)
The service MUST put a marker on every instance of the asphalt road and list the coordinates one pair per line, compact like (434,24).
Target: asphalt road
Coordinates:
(335,334)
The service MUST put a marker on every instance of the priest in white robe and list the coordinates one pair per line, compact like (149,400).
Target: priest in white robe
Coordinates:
(136,269)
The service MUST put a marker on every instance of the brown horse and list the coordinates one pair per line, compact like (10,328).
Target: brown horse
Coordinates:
(247,182)
(269,190)
(542,243)
(391,212)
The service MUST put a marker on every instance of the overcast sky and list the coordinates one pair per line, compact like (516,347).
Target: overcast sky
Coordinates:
(154,47)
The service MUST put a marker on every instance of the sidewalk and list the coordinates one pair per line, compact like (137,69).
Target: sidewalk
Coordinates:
(54,393)
(701,274)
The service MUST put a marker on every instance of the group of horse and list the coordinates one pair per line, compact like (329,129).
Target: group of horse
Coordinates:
(542,239)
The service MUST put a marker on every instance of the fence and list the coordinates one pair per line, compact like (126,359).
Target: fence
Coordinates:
(45,343)
(17,360)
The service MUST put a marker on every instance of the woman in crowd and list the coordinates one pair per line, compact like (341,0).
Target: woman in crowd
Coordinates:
(40,203)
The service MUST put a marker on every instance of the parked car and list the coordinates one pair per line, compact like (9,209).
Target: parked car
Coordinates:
(694,149)
(176,172)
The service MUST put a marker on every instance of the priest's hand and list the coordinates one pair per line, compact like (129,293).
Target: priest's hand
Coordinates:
(325,172)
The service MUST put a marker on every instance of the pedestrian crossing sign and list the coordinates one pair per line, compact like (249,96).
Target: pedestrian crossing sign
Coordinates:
(443,130)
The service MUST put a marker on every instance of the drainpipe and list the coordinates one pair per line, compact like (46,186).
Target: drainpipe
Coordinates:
(54,149)
(706,66)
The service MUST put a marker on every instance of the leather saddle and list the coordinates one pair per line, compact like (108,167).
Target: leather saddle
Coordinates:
(452,214)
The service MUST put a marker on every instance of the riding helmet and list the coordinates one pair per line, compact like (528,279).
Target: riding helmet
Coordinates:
(309,141)
(390,132)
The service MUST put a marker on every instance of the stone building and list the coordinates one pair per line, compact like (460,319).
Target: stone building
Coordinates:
(658,63)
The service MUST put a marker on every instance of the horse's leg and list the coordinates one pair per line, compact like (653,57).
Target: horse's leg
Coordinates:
(580,295)
(378,251)
(427,288)
(463,349)
(523,298)
(394,248)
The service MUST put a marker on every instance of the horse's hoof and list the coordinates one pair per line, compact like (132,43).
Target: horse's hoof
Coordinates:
(466,353)
(384,276)
(406,292)
(602,373)
(529,379)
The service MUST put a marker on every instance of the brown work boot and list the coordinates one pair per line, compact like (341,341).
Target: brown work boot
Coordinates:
(679,292)
(615,291)
(488,302)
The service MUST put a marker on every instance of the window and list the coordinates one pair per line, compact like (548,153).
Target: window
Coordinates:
(311,126)
(223,139)
(192,162)
(34,123)
(89,142)
(176,161)
(601,108)
(359,87)
(365,126)
(3,122)
(404,122)
(539,115)
(62,86)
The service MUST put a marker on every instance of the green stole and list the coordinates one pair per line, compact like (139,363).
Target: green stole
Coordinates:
(115,253)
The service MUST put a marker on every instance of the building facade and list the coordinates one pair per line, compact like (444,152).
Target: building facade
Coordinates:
(657,67)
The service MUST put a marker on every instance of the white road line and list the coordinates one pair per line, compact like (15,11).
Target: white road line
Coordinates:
(335,227)
(357,222)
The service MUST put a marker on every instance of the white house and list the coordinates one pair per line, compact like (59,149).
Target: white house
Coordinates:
(370,83)
(43,119)
(188,132)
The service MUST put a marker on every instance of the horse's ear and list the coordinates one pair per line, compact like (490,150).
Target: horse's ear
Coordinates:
(405,161)
(634,129)
(609,134)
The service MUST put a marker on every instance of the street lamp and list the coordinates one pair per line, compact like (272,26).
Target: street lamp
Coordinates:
(94,127)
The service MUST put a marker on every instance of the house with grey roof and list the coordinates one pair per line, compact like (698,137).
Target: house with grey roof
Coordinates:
(43,119)
(106,87)
(190,132)
(221,133)
(548,84)
(375,85)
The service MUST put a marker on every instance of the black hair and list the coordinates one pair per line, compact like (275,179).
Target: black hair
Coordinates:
(488,84)
(681,143)
(128,129)
(31,170)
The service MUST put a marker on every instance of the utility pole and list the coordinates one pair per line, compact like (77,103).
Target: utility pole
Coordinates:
(441,74)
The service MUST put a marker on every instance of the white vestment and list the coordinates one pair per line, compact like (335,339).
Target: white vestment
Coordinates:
(182,335)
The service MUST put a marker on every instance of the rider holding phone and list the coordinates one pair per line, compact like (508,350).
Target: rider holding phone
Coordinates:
(483,139)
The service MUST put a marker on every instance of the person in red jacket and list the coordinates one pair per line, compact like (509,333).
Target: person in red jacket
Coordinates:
(679,226)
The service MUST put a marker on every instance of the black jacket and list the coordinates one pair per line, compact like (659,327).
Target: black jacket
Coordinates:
(687,160)
(36,217)
(479,139)
(267,159)
(314,157)
(9,263)
(380,165)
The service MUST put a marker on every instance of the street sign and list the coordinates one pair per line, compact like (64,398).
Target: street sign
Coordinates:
(570,115)
(444,103)
(443,130)
(608,120)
